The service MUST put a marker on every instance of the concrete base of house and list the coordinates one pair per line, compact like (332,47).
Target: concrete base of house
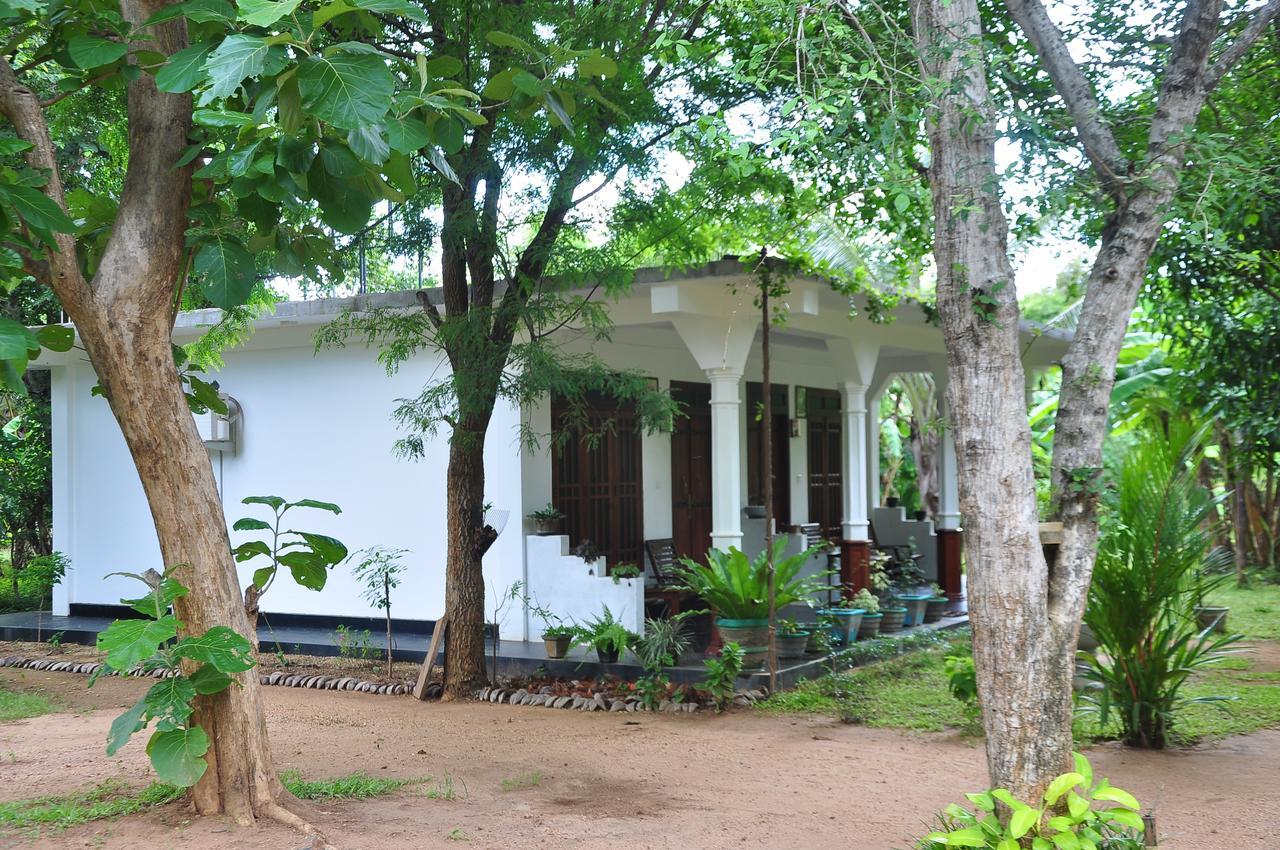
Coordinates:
(514,658)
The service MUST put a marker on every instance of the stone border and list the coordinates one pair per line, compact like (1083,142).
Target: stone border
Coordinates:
(599,701)
(287,680)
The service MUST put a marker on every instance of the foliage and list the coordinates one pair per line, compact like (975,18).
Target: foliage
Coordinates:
(354,786)
(1255,610)
(605,633)
(962,679)
(1068,817)
(721,674)
(15,705)
(26,489)
(622,571)
(308,555)
(550,513)
(45,571)
(522,781)
(1150,574)
(353,644)
(664,641)
(109,799)
(379,570)
(177,746)
(737,587)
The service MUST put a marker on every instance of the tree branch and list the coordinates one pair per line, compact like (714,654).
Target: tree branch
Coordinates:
(1238,48)
(1100,146)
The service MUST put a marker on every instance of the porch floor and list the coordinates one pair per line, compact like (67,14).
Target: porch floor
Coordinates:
(515,658)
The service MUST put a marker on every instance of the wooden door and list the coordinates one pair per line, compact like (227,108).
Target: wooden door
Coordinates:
(596,481)
(781,451)
(826,470)
(691,470)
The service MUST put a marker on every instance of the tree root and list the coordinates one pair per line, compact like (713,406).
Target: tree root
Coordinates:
(278,813)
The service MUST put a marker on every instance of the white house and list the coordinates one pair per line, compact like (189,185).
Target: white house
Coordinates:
(318,425)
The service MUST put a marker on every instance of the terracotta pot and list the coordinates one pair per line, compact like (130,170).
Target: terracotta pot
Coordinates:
(557,647)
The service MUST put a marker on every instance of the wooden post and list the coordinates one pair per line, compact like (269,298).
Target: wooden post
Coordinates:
(424,675)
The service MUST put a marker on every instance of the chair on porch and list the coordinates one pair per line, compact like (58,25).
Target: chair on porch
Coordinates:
(896,551)
(665,589)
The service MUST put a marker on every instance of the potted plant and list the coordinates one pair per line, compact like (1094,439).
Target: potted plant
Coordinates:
(819,641)
(606,635)
(557,639)
(737,589)
(869,627)
(936,605)
(664,641)
(845,619)
(791,639)
(546,520)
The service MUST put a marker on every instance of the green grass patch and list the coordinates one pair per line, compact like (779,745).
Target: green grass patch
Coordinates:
(521,781)
(355,786)
(15,705)
(111,799)
(1255,610)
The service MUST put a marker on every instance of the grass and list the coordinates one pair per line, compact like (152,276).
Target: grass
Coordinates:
(522,781)
(354,786)
(1255,610)
(111,799)
(15,705)
(441,790)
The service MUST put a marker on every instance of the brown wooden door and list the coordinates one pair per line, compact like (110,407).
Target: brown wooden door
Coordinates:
(781,450)
(596,481)
(691,470)
(826,475)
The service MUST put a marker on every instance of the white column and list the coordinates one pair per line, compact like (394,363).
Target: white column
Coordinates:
(873,453)
(948,491)
(854,403)
(62,395)
(726,470)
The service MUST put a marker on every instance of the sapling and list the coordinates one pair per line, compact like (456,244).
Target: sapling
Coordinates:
(379,569)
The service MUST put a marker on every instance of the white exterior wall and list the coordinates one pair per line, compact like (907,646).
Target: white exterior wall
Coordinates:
(315,426)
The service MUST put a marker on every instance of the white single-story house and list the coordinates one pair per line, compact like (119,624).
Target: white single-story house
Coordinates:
(318,425)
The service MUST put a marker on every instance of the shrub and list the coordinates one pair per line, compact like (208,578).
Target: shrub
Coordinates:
(1153,551)
(722,674)
(737,587)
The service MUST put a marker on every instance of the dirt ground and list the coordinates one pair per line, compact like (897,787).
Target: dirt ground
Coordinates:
(606,780)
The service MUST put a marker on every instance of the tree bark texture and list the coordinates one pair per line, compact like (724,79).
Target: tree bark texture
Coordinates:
(464,575)
(124,321)
(1021,647)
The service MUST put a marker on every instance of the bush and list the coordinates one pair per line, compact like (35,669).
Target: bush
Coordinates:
(737,587)
(1152,558)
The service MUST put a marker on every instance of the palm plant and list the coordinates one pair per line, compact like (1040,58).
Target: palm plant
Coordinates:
(1155,563)
(737,587)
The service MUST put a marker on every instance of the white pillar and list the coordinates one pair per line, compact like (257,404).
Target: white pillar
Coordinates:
(873,454)
(726,470)
(854,407)
(948,491)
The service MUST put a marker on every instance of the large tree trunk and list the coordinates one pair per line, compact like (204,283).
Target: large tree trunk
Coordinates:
(1021,649)
(464,574)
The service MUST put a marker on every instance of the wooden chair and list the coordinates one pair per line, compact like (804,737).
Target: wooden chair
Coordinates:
(897,551)
(662,561)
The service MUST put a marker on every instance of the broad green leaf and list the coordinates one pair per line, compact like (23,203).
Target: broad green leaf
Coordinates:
(346,90)
(205,395)
(273,502)
(316,504)
(1022,821)
(1116,795)
(221,118)
(1077,805)
(597,66)
(209,680)
(1066,841)
(227,271)
(295,156)
(124,726)
(407,135)
(402,8)
(264,13)
(309,569)
(251,549)
(156,603)
(57,337)
(1083,768)
(1007,844)
(343,206)
(251,524)
(326,547)
(370,144)
(91,51)
(501,85)
(558,111)
(185,69)
(1062,785)
(443,67)
(238,56)
(11,146)
(1133,820)
(1039,843)
(506,39)
(178,755)
(263,575)
(128,643)
(15,339)
(40,214)
(289,110)
(982,801)
(169,701)
(400,172)
(971,837)
(528,83)
(225,649)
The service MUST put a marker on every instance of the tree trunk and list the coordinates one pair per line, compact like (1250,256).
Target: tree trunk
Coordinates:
(1022,650)
(464,575)
(1239,522)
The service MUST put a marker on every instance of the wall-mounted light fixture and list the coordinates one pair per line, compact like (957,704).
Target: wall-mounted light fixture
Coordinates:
(221,431)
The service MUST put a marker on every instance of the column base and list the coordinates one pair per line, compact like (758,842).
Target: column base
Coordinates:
(855,566)
(950,541)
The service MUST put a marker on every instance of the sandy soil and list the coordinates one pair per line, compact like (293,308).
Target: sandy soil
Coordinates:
(607,780)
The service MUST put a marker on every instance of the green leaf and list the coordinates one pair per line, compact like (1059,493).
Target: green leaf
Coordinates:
(1067,841)
(982,801)
(506,39)
(344,206)
(11,146)
(41,214)
(370,144)
(238,56)
(560,114)
(597,66)
(1115,795)
(157,602)
(16,341)
(1039,843)
(273,502)
(1022,821)
(209,680)
(501,85)
(263,575)
(128,643)
(308,568)
(527,83)
(289,110)
(1062,785)
(971,837)
(57,337)
(169,701)
(1083,768)
(295,156)
(205,395)
(251,524)
(185,69)
(346,90)
(227,271)
(91,51)
(1007,844)
(443,67)
(1076,805)
(264,13)
(400,172)
(178,755)
(250,549)
(326,547)
(123,727)
(1133,820)
(318,505)
(226,650)
(394,7)
(407,134)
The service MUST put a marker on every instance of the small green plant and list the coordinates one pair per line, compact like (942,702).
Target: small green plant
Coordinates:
(178,745)
(108,800)
(721,674)
(622,571)
(522,781)
(789,628)
(867,601)
(737,587)
(456,834)
(1068,818)
(354,644)
(379,570)
(547,514)
(558,630)
(307,555)
(355,786)
(442,790)
(605,634)
(962,679)
(55,642)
